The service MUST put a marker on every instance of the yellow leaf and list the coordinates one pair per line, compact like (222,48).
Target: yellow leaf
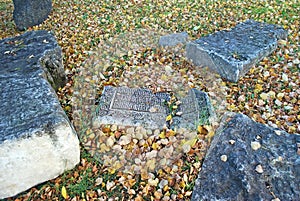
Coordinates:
(191,142)
(202,130)
(258,88)
(170,132)
(64,192)
(169,117)
(162,135)
(154,146)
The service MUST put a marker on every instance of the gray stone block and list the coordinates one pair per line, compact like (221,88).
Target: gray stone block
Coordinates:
(34,52)
(249,161)
(231,53)
(37,141)
(173,39)
(140,107)
(28,13)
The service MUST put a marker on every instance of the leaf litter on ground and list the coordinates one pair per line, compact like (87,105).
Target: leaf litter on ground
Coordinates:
(269,93)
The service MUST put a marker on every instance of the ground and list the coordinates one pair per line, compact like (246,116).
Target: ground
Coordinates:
(269,93)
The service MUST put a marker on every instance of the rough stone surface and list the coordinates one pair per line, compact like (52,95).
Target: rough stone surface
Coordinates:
(232,53)
(140,107)
(37,141)
(173,39)
(28,13)
(33,52)
(249,172)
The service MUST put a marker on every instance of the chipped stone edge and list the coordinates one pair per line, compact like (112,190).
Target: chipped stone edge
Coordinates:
(41,149)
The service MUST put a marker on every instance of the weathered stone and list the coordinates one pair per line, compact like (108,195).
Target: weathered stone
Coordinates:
(33,52)
(196,110)
(28,13)
(141,107)
(37,141)
(267,173)
(173,39)
(232,53)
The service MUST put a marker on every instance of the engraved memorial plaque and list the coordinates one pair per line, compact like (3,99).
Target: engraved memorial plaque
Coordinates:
(132,107)
(141,107)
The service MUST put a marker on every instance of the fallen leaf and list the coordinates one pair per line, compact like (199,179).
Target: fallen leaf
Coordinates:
(64,192)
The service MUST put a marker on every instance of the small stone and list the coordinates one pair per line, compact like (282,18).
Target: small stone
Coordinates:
(259,169)
(264,96)
(109,185)
(124,140)
(137,161)
(272,94)
(276,199)
(296,61)
(224,158)
(113,128)
(266,74)
(280,96)
(278,132)
(163,162)
(138,136)
(231,142)
(153,182)
(162,183)
(151,154)
(99,181)
(241,98)
(143,131)
(261,102)
(110,141)
(164,141)
(255,145)
(158,195)
(156,132)
(149,132)
(285,77)
(186,148)
(278,102)
(130,131)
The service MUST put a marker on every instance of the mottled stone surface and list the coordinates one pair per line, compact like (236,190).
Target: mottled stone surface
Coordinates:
(37,141)
(249,161)
(173,39)
(28,13)
(140,107)
(231,53)
(196,110)
(34,52)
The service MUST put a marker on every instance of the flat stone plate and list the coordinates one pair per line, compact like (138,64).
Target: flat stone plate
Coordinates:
(233,52)
(140,107)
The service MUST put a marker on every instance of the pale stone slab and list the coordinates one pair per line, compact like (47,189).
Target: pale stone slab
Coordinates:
(132,107)
(231,53)
(37,141)
(140,107)
(173,39)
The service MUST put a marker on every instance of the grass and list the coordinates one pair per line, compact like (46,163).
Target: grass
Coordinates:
(80,25)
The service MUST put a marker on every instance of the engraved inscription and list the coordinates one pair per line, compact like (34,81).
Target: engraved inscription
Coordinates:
(141,107)
(140,100)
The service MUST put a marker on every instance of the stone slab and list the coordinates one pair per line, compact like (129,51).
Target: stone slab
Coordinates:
(140,107)
(249,161)
(37,141)
(173,39)
(34,52)
(231,53)
(28,13)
